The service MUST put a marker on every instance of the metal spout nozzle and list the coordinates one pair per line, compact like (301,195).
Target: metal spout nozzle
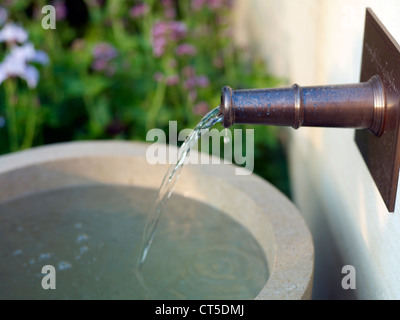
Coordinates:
(359,105)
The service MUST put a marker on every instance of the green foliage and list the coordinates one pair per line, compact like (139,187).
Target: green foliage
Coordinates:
(120,68)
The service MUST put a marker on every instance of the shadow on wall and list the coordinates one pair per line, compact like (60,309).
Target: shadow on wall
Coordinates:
(328,260)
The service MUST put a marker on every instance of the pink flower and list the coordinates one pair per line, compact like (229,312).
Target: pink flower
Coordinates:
(139,10)
(159,46)
(177,30)
(192,81)
(160,29)
(172,80)
(165,32)
(201,108)
(186,50)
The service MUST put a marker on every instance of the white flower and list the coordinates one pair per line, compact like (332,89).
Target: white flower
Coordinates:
(27,53)
(12,32)
(15,64)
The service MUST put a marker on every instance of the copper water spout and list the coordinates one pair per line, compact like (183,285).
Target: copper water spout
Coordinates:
(360,105)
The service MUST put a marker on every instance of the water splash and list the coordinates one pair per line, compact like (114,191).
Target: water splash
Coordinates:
(171,177)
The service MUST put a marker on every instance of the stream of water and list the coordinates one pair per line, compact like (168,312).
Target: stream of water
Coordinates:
(171,177)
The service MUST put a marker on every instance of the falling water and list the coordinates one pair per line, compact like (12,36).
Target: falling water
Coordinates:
(172,175)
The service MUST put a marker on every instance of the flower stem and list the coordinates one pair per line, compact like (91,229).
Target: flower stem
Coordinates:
(156,104)
(11,102)
(31,120)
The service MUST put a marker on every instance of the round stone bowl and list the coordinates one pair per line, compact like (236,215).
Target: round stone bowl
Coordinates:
(269,216)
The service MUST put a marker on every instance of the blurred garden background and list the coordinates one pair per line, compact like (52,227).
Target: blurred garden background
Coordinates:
(114,69)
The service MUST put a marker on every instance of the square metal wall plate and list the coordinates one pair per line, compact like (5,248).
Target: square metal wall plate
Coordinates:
(381,56)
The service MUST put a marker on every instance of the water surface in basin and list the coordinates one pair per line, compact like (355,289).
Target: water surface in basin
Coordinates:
(92,236)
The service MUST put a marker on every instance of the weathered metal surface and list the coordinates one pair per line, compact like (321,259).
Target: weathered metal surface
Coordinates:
(381,56)
(346,106)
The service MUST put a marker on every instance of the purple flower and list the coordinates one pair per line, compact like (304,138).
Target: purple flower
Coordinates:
(192,80)
(159,33)
(61,9)
(139,10)
(174,30)
(160,29)
(190,83)
(186,50)
(202,81)
(12,32)
(99,65)
(104,51)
